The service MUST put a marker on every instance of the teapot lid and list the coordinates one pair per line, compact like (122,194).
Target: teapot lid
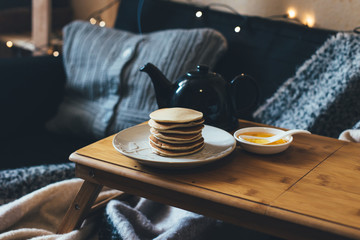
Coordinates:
(202,71)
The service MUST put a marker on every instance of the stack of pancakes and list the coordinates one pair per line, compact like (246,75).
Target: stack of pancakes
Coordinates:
(176,131)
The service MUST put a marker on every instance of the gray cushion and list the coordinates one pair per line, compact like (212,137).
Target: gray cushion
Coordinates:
(105,91)
(324,94)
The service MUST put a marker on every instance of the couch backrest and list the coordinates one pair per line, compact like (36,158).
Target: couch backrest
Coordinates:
(269,50)
(31,89)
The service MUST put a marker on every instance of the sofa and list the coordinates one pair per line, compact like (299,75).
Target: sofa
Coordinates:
(306,78)
(269,50)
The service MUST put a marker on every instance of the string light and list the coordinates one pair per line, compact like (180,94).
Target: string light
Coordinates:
(53,47)
(95,17)
(97,20)
(9,44)
(50,51)
(102,23)
(309,21)
(200,14)
(53,50)
(55,53)
(93,21)
(291,13)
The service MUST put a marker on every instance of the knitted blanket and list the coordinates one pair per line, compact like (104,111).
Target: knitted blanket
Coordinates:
(351,135)
(35,199)
(324,94)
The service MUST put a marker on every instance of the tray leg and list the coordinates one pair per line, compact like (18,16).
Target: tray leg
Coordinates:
(80,207)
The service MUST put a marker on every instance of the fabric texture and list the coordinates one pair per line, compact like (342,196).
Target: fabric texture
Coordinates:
(324,94)
(145,219)
(15,183)
(351,135)
(38,214)
(105,91)
(42,202)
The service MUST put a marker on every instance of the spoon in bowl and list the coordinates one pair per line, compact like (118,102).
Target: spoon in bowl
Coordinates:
(268,140)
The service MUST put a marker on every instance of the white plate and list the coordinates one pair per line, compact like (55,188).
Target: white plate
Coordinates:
(133,142)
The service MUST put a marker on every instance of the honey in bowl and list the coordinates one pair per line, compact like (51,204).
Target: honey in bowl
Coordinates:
(261,141)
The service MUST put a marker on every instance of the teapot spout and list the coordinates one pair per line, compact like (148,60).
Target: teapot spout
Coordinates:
(161,84)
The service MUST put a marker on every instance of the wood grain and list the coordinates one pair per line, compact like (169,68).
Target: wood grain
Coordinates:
(330,192)
(80,207)
(242,174)
(312,188)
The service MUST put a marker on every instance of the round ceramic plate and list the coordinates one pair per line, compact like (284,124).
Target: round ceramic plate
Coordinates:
(133,142)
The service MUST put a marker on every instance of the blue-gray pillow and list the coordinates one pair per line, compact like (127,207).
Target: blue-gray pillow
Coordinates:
(105,91)
(324,94)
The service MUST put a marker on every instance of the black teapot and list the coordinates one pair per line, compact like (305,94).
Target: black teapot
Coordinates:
(203,91)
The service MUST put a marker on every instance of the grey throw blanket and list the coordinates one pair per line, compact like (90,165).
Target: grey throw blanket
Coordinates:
(324,94)
(35,199)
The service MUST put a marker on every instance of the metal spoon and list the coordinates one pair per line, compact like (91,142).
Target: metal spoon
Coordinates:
(277,136)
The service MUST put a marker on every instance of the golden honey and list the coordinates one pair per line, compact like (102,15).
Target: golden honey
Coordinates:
(261,141)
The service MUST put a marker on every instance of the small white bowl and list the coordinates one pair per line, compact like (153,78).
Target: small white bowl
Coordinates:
(260,148)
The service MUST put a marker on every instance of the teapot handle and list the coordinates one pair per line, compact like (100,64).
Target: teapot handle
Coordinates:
(245,94)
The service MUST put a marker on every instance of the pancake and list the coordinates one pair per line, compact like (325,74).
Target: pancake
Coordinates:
(175,136)
(175,146)
(174,153)
(176,115)
(178,141)
(184,130)
(176,131)
(165,126)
